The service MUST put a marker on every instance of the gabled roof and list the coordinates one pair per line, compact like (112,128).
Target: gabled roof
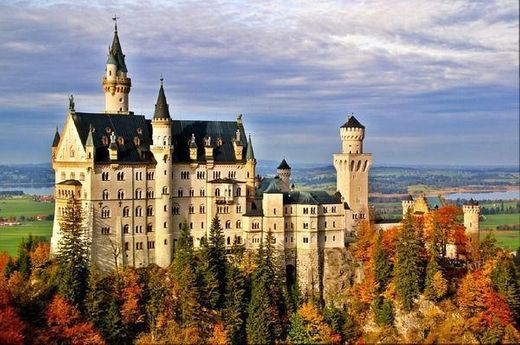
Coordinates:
(434,202)
(129,127)
(269,185)
(284,166)
(352,122)
(161,107)
(56,140)
(225,130)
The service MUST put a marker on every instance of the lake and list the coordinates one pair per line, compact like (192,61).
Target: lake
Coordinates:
(508,195)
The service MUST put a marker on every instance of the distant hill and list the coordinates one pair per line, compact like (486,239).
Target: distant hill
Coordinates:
(383,179)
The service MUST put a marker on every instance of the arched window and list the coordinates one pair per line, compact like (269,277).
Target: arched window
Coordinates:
(202,209)
(120,194)
(217,192)
(239,191)
(165,190)
(138,193)
(105,195)
(239,224)
(228,224)
(180,193)
(256,225)
(149,211)
(105,212)
(138,211)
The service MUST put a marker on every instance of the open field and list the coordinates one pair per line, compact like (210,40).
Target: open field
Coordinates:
(11,236)
(491,221)
(24,206)
(505,239)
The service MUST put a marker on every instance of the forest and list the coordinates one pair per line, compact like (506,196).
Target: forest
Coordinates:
(410,290)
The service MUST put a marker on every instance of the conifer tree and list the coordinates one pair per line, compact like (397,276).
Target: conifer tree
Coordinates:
(505,280)
(185,278)
(235,297)
(73,254)
(381,265)
(383,311)
(97,299)
(408,263)
(259,326)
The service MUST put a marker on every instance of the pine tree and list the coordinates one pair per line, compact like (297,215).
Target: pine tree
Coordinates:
(97,300)
(73,254)
(217,260)
(24,261)
(235,306)
(381,265)
(383,311)
(297,332)
(185,278)
(408,264)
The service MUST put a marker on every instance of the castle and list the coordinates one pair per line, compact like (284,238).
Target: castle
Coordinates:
(140,179)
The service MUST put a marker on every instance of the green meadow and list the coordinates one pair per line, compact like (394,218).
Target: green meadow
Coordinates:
(11,236)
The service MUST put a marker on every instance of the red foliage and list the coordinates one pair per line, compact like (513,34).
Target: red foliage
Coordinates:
(4,259)
(65,325)
(12,327)
(40,255)
(389,241)
(131,295)
(364,242)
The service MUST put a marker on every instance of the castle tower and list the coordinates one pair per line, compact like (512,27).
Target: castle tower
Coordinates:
(55,143)
(162,149)
(116,84)
(352,166)
(284,173)
(471,217)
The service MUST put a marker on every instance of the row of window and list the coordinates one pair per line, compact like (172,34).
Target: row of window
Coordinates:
(120,176)
(139,245)
(72,176)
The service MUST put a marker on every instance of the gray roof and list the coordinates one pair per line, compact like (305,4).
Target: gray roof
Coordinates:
(310,198)
(269,185)
(226,130)
(352,122)
(117,54)
(129,127)
(250,155)
(69,183)
(434,202)
(56,140)
(161,107)
(284,166)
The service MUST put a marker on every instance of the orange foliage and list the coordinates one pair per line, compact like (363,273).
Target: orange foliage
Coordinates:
(40,255)
(367,288)
(316,327)
(4,259)
(220,335)
(480,303)
(131,295)
(443,227)
(12,327)
(365,240)
(65,325)
(389,241)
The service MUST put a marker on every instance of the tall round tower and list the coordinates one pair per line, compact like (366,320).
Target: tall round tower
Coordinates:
(284,173)
(116,84)
(352,134)
(471,217)
(162,149)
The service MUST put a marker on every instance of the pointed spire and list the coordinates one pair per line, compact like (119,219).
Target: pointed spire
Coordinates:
(90,138)
(352,122)
(56,140)
(250,155)
(161,107)
(116,53)
(283,165)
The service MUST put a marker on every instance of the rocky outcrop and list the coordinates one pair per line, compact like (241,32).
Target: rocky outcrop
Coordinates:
(340,272)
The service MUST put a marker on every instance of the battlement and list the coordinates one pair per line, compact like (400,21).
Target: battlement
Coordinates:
(352,133)
(475,209)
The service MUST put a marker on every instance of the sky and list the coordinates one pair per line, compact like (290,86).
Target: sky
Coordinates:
(434,82)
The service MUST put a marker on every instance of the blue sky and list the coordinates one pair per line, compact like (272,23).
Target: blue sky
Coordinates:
(434,82)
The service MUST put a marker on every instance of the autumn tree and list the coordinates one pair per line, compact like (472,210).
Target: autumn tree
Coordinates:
(73,253)
(13,329)
(436,285)
(408,263)
(365,235)
(309,327)
(383,311)
(506,280)
(65,325)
